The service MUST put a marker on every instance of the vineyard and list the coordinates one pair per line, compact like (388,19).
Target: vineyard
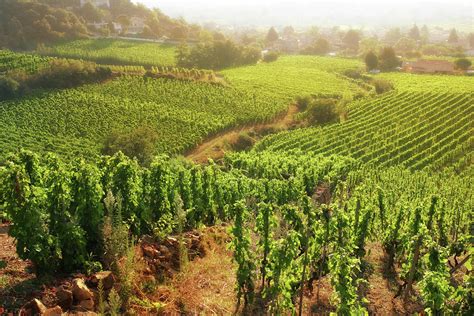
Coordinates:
(292,76)
(412,129)
(111,51)
(10,61)
(295,220)
(370,215)
(429,83)
(182,113)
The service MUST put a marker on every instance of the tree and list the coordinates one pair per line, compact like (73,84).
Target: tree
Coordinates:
(320,47)
(368,44)
(154,24)
(371,60)
(388,59)
(288,31)
(124,21)
(270,57)
(470,38)
(453,37)
(393,35)
(91,13)
(179,32)
(139,143)
(463,64)
(414,33)
(406,44)
(351,39)
(323,111)
(8,88)
(272,36)
(425,34)
(382,85)
(147,32)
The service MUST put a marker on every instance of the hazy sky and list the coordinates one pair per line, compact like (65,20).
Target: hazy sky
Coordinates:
(317,12)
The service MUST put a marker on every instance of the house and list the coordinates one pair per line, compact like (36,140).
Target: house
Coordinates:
(429,67)
(137,25)
(97,3)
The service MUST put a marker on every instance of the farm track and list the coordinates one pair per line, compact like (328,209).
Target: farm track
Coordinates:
(215,146)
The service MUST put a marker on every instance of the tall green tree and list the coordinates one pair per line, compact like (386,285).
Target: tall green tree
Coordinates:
(470,38)
(393,35)
(388,59)
(453,37)
(414,33)
(272,36)
(351,39)
(371,61)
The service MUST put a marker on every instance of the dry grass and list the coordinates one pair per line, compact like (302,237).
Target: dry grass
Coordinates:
(206,285)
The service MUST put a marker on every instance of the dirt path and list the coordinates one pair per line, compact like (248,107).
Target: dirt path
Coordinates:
(379,294)
(383,288)
(216,146)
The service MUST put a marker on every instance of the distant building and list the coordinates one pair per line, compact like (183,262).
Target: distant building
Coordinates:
(469,53)
(429,67)
(137,25)
(97,3)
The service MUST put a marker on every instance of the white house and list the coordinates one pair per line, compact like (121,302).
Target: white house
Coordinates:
(97,3)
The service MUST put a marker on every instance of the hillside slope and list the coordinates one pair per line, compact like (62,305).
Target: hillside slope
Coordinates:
(416,126)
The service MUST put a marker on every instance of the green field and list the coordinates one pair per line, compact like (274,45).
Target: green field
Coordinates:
(112,51)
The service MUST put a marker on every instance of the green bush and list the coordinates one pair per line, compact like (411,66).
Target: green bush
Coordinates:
(323,111)
(382,85)
(67,73)
(139,143)
(9,88)
(270,57)
(243,142)
(463,63)
(303,102)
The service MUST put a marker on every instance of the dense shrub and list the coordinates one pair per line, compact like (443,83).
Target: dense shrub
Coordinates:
(382,85)
(243,142)
(9,87)
(139,143)
(270,57)
(302,102)
(354,74)
(320,47)
(64,73)
(216,55)
(463,63)
(58,74)
(323,111)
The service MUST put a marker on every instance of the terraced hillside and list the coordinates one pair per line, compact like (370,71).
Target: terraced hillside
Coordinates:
(78,120)
(111,51)
(410,128)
